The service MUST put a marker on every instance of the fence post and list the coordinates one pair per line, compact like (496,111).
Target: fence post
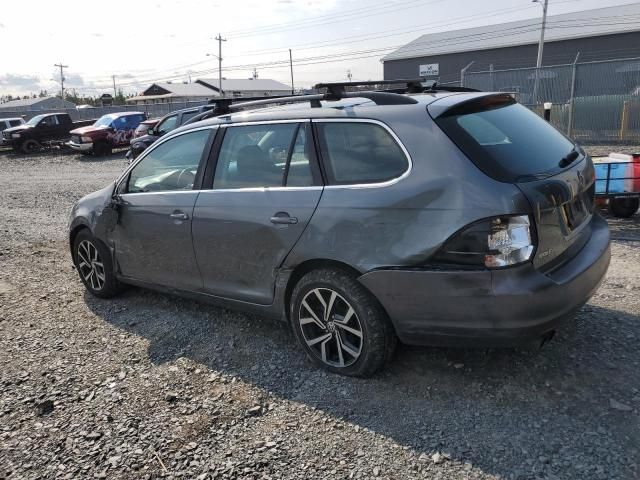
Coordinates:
(491,77)
(572,96)
(463,72)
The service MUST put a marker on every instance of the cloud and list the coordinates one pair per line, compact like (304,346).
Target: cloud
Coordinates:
(97,34)
(10,81)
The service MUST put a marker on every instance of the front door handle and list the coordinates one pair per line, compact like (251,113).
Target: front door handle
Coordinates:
(179,216)
(283,218)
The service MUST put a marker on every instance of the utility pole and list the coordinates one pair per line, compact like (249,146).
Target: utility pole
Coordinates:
(255,73)
(540,48)
(61,78)
(115,93)
(220,40)
(544,24)
(291,68)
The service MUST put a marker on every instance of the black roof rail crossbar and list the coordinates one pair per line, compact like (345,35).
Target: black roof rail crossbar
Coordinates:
(224,106)
(379,98)
(413,85)
(220,106)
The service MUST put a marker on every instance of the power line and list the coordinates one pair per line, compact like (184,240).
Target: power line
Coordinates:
(413,47)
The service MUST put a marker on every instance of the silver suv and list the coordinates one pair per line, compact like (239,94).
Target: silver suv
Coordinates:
(436,217)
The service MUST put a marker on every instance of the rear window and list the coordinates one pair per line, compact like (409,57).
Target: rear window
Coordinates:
(355,153)
(506,140)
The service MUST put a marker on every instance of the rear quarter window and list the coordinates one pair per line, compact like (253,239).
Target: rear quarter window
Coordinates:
(360,153)
(506,140)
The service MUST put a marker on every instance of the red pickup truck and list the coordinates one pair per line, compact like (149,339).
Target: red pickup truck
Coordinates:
(108,132)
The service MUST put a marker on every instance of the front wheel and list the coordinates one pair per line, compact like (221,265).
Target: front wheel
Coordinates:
(624,207)
(93,263)
(102,149)
(340,324)
(30,146)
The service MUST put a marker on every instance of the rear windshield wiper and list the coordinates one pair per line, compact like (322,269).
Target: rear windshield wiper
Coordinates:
(569,158)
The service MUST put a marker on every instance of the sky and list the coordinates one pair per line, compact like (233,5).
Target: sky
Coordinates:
(154,40)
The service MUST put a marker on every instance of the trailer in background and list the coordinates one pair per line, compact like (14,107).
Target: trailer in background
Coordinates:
(618,183)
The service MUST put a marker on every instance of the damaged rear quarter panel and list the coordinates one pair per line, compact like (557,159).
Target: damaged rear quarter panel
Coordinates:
(403,224)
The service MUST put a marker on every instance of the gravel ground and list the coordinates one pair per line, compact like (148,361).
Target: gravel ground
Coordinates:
(151,386)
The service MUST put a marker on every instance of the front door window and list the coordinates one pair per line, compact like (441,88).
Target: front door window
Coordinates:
(172,165)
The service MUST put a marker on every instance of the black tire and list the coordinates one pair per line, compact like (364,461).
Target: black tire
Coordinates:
(109,285)
(377,342)
(102,149)
(624,207)
(30,146)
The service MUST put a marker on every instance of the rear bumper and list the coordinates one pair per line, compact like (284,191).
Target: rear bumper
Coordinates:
(489,307)
(81,147)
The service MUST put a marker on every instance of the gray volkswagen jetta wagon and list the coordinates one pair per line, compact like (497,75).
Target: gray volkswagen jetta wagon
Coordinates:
(434,217)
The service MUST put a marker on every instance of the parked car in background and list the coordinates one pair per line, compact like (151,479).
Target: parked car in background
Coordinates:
(144,127)
(110,131)
(165,125)
(8,123)
(442,217)
(41,129)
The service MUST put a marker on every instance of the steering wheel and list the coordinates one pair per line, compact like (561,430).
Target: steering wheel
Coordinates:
(189,176)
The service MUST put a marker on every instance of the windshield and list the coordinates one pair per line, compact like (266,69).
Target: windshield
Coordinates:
(506,140)
(34,121)
(103,121)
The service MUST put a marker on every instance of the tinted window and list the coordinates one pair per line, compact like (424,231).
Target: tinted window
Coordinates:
(360,153)
(15,123)
(49,121)
(298,173)
(170,166)
(254,156)
(167,124)
(187,115)
(506,140)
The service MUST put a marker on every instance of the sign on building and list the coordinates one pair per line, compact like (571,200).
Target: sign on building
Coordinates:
(430,69)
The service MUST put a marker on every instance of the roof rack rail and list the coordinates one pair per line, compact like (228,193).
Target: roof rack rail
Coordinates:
(413,85)
(224,106)
(335,91)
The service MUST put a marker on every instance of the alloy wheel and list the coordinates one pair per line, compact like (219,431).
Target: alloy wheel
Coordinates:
(90,265)
(330,327)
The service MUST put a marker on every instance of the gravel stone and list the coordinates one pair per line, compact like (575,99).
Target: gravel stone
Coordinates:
(152,386)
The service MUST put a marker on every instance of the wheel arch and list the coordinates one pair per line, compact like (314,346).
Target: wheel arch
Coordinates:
(305,267)
(73,233)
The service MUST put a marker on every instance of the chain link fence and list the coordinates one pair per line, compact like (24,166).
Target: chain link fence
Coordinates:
(152,110)
(593,102)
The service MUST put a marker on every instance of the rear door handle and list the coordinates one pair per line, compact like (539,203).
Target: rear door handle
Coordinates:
(179,216)
(283,218)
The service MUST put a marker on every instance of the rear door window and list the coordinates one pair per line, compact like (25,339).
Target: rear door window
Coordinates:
(506,140)
(271,155)
(360,153)
(15,123)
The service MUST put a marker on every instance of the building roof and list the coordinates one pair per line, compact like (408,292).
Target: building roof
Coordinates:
(30,102)
(246,84)
(179,90)
(587,23)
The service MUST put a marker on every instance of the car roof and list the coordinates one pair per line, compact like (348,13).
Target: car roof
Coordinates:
(12,118)
(353,107)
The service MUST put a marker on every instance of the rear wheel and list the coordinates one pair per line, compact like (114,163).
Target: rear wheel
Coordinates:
(624,207)
(93,262)
(340,324)
(30,146)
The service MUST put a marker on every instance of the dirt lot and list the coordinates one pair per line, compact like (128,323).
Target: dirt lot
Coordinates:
(149,385)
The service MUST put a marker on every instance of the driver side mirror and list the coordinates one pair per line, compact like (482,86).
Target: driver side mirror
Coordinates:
(151,131)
